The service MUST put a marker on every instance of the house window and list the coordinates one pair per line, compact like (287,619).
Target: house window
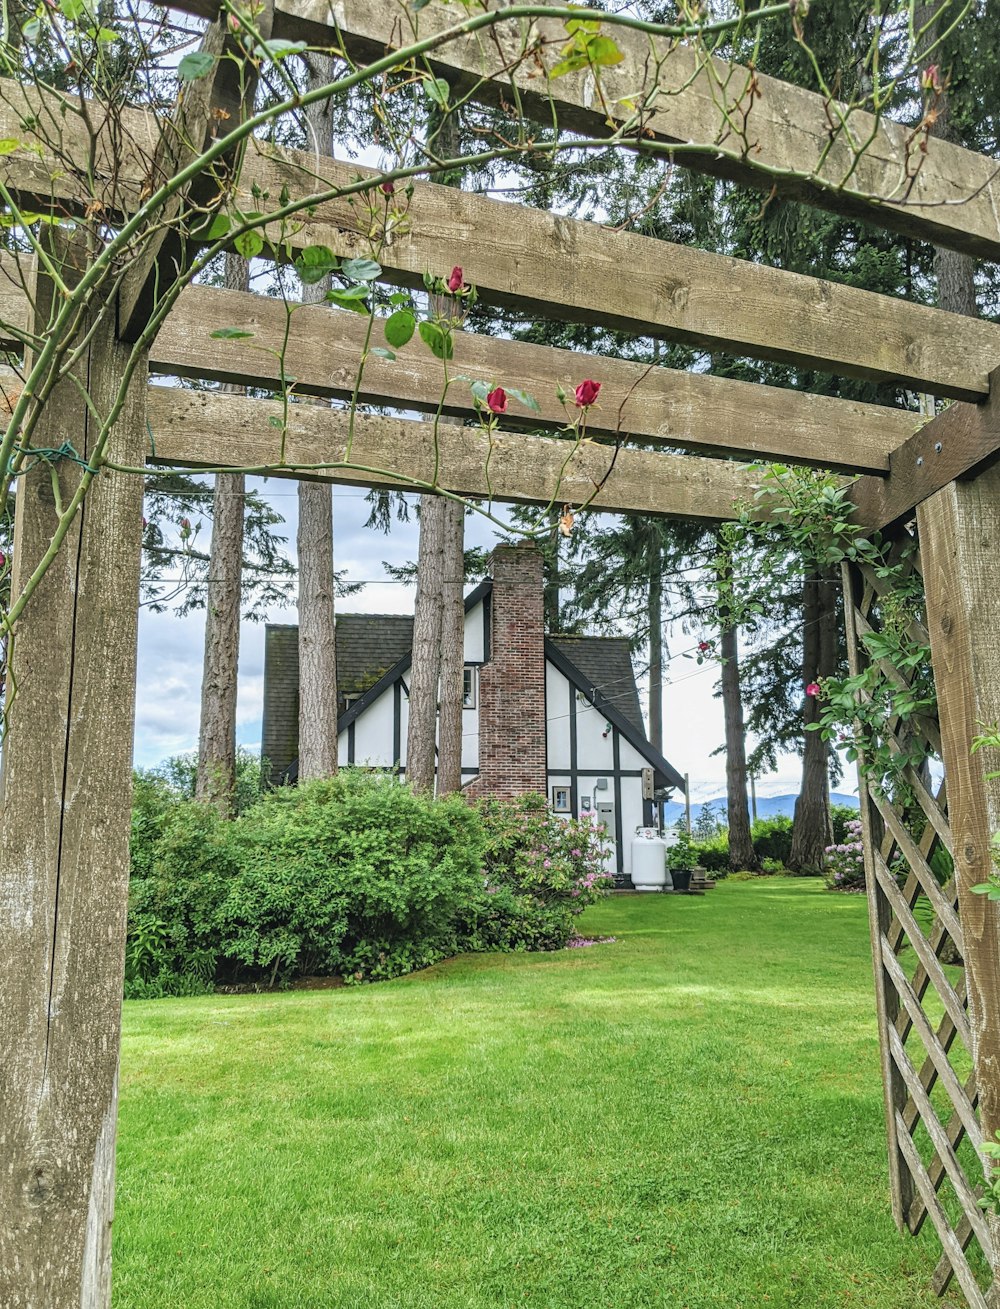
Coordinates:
(468,687)
(351,699)
(560,799)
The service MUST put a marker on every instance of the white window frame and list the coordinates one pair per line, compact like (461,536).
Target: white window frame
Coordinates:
(558,808)
(472,699)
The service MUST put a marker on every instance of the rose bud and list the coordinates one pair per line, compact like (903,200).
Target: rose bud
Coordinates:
(455,279)
(497,400)
(586,393)
(387,188)
(703,646)
(813,689)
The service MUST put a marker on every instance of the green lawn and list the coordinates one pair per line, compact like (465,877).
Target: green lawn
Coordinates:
(690,1117)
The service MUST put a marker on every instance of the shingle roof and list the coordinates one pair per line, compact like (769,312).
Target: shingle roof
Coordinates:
(605,661)
(367,646)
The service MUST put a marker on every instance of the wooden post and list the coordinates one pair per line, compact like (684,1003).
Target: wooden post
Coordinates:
(879,917)
(65,800)
(959,530)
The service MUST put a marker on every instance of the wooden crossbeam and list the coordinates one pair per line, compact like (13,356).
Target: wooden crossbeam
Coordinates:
(219,99)
(948,195)
(546,265)
(711,415)
(960,442)
(207,429)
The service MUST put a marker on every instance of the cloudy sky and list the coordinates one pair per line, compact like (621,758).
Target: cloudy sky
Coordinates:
(170,656)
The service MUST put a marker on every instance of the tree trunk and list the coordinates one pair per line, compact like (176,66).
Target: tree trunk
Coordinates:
(425,670)
(656,643)
(216,778)
(742,855)
(449,772)
(812,830)
(314,543)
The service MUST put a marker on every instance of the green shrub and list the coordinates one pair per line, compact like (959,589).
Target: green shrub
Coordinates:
(840,816)
(177,885)
(772,838)
(713,854)
(682,856)
(355,875)
(540,872)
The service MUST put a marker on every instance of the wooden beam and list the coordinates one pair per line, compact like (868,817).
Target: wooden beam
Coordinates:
(949,196)
(223,97)
(959,530)
(207,429)
(543,264)
(65,799)
(711,415)
(958,443)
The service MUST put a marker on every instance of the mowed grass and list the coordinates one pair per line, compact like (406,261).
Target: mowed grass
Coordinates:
(689,1117)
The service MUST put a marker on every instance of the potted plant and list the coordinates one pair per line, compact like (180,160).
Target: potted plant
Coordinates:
(681,859)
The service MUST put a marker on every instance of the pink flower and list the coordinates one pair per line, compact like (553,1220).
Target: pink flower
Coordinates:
(586,393)
(497,400)
(814,689)
(930,79)
(455,279)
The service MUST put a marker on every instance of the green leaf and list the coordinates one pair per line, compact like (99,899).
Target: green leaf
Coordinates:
(357,292)
(218,227)
(105,35)
(603,52)
(348,301)
(572,64)
(314,263)
(437,90)
(382,352)
(195,65)
(8,145)
(437,339)
(249,244)
(399,298)
(278,49)
(73,9)
(274,421)
(399,327)
(361,270)
(231,334)
(522,397)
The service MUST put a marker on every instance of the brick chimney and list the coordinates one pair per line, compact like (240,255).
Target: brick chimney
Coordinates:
(512,749)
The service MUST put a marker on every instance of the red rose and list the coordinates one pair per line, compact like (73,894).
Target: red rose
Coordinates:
(455,279)
(497,400)
(703,646)
(586,393)
(931,78)
(185,524)
(387,188)
(3,559)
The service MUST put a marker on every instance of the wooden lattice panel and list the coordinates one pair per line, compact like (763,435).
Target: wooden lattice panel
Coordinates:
(932,1121)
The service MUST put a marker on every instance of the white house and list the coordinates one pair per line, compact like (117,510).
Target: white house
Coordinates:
(548,713)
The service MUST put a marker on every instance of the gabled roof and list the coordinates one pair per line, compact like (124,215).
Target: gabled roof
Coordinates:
(666,773)
(402,664)
(606,663)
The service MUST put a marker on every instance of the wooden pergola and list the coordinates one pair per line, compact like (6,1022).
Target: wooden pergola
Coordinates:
(65,786)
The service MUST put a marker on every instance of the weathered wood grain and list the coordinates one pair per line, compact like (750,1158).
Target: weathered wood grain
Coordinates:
(208,429)
(959,442)
(546,265)
(65,799)
(950,196)
(219,100)
(887,1004)
(711,415)
(960,546)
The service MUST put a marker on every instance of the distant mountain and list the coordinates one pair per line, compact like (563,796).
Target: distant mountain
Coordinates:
(767,806)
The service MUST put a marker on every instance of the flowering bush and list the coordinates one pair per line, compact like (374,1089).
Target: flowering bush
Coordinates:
(845,862)
(540,872)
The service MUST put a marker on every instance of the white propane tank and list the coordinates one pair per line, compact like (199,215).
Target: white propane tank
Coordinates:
(649,860)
